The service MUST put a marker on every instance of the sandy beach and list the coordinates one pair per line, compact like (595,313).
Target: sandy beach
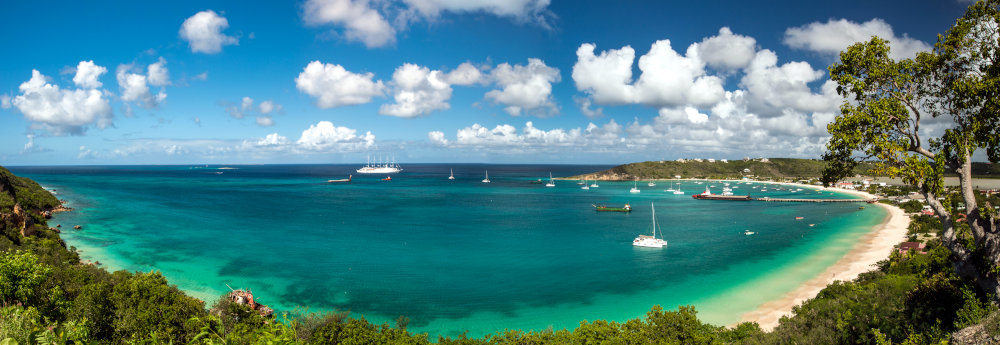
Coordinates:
(871,248)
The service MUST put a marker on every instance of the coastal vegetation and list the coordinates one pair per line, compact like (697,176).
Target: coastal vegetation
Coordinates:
(49,296)
(773,168)
(889,100)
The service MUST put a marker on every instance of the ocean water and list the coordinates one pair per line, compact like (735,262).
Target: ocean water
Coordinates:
(452,255)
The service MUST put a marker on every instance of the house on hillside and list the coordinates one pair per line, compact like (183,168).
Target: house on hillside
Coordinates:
(917,247)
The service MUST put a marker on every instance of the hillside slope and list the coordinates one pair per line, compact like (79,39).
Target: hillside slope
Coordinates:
(774,168)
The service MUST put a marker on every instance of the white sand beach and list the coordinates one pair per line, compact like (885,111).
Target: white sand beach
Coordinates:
(873,247)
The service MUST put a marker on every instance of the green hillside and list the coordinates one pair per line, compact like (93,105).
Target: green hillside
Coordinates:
(773,168)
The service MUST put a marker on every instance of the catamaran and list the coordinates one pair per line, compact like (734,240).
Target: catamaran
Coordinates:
(551,182)
(635,188)
(594,185)
(487,179)
(678,191)
(452,176)
(380,167)
(650,241)
(584,185)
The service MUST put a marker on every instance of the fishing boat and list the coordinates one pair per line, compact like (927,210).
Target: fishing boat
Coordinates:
(348,179)
(635,188)
(452,176)
(380,167)
(602,208)
(487,179)
(707,195)
(650,241)
(387,178)
(551,182)
(538,181)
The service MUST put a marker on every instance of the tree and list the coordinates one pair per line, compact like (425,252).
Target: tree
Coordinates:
(955,86)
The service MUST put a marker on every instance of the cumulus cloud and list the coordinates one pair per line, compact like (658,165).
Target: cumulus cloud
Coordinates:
(771,89)
(203,32)
(325,136)
(585,107)
(88,75)
(836,35)
(506,138)
(667,78)
(525,87)
(333,86)
(465,74)
(157,73)
(727,50)
(360,22)
(134,87)
(59,111)
(418,91)
(437,138)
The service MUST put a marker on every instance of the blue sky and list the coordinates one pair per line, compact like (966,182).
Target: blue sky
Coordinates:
(521,81)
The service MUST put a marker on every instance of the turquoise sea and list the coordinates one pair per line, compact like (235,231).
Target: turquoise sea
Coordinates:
(452,255)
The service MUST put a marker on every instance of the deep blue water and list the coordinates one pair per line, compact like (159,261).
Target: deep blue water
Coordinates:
(452,255)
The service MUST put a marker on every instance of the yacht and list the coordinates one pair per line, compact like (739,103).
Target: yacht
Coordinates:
(650,241)
(380,167)
(635,188)
(452,176)
(551,182)
(487,179)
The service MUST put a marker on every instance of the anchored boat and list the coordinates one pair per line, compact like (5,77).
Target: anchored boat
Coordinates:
(602,208)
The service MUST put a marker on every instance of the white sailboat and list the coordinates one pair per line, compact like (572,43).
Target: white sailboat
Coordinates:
(594,185)
(635,188)
(651,183)
(487,179)
(452,176)
(650,241)
(584,185)
(678,191)
(551,182)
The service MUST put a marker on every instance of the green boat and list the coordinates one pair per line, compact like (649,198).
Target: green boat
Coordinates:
(602,208)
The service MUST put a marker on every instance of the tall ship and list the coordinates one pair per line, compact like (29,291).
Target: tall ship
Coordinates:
(380,167)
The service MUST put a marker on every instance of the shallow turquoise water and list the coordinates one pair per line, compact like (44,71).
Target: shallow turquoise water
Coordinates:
(450,255)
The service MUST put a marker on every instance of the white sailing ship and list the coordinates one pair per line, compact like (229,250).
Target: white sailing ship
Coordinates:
(650,241)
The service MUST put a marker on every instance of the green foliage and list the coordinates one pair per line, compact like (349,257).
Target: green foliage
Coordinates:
(29,194)
(20,276)
(776,168)
(145,304)
(911,206)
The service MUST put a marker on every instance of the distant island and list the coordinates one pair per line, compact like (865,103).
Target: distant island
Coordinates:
(776,169)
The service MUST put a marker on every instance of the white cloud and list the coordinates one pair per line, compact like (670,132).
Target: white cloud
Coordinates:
(324,136)
(368,21)
(203,31)
(333,86)
(606,77)
(521,10)
(836,35)
(84,152)
(437,138)
(771,89)
(465,74)
(726,50)
(265,121)
(360,21)
(505,138)
(5,102)
(134,86)
(266,107)
(158,74)
(60,111)
(525,88)
(88,74)
(667,78)
(418,91)
(585,105)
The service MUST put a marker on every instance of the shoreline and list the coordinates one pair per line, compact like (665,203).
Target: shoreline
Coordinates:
(871,248)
